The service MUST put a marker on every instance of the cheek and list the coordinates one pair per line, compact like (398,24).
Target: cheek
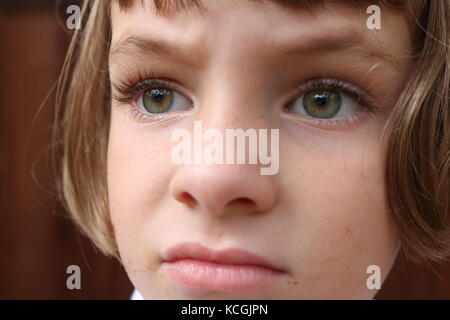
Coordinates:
(340,210)
(139,168)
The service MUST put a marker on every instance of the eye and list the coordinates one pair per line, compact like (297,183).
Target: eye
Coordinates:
(161,100)
(331,99)
(325,104)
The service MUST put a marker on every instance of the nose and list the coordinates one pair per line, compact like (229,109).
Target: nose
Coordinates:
(222,189)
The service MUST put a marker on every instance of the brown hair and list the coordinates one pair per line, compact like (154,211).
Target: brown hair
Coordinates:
(417,131)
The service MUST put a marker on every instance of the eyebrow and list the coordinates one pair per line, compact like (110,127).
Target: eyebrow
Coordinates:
(160,48)
(157,49)
(355,41)
(146,46)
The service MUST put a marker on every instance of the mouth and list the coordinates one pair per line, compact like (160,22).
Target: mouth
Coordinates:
(196,266)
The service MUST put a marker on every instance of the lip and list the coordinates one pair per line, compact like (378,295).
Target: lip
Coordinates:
(196,266)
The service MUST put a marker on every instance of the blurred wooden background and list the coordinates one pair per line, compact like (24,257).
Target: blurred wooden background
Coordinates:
(37,242)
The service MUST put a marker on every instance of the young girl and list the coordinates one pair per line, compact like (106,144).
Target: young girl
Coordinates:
(358,96)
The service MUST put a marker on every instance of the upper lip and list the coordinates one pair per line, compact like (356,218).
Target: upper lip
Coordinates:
(196,251)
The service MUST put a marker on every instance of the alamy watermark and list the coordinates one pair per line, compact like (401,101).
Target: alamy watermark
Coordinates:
(374,21)
(221,150)
(74,280)
(374,280)
(74,20)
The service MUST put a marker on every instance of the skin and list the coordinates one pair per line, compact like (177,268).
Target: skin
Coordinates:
(323,218)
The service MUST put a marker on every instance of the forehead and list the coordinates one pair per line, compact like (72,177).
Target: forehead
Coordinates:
(188,12)
(271,23)
(163,7)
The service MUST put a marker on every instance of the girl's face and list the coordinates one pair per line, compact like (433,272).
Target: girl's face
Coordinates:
(323,79)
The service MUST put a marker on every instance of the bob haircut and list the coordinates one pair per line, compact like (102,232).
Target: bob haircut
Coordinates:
(417,132)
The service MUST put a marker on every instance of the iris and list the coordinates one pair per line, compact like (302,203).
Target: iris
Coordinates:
(157,100)
(322,103)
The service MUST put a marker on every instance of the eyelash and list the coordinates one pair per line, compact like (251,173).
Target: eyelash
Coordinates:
(129,90)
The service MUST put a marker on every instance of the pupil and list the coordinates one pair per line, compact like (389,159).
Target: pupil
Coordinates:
(320,99)
(158,95)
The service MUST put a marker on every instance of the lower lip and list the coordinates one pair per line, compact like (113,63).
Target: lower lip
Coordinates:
(200,274)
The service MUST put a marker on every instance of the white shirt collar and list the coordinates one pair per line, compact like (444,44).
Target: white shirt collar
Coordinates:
(136,295)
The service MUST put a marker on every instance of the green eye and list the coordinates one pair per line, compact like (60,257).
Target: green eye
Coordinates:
(163,100)
(322,103)
(157,100)
(330,99)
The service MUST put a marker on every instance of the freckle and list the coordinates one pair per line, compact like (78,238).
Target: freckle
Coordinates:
(151,267)
(293,282)
(152,264)
(348,231)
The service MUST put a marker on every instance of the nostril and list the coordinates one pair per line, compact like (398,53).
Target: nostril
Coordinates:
(187,198)
(244,201)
